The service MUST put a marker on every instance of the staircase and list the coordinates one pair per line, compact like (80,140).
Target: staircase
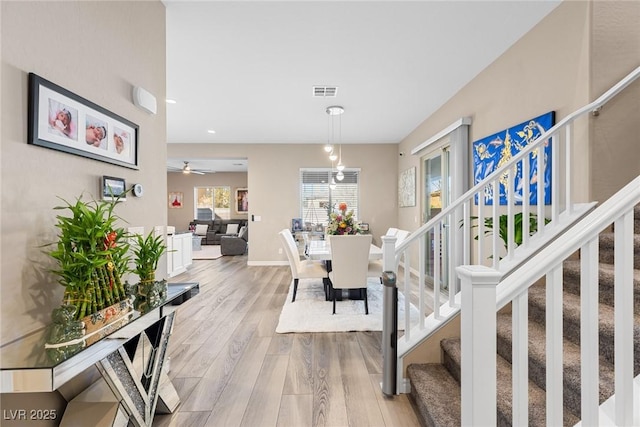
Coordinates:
(436,387)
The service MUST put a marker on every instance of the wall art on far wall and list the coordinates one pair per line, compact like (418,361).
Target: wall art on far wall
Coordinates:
(242,200)
(407,188)
(175,200)
(64,121)
(493,151)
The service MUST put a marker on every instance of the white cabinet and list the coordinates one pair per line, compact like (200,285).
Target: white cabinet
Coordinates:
(179,253)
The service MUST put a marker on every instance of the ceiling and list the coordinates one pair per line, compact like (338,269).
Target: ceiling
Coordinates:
(246,69)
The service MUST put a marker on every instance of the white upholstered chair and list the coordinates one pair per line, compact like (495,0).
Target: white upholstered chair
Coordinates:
(375,267)
(349,265)
(302,269)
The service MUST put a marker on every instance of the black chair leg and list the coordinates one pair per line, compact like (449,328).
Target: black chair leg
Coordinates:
(333,295)
(295,289)
(366,301)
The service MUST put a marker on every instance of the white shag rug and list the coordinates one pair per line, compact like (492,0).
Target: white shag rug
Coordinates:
(207,252)
(311,313)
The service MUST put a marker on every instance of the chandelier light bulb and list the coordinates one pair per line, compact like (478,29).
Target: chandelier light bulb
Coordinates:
(333,184)
(340,166)
(328,148)
(340,176)
(333,157)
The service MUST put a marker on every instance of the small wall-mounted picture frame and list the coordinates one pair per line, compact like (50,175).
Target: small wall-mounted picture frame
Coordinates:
(364,226)
(242,200)
(113,188)
(296,224)
(175,200)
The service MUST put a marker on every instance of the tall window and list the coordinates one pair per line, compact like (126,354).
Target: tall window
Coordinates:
(212,200)
(317,199)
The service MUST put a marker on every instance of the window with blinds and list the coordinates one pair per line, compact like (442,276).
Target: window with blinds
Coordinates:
(317,199)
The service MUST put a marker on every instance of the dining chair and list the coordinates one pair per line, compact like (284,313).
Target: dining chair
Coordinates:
(302,269)
(375,267)
(349,265)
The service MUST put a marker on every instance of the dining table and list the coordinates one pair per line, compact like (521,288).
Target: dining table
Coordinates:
(321,250)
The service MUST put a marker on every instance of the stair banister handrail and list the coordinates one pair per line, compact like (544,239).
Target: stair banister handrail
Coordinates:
(563,247)
(599,102)
(617,207)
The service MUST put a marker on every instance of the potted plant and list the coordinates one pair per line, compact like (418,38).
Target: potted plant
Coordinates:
(92,255)
(147,252)
(503,231)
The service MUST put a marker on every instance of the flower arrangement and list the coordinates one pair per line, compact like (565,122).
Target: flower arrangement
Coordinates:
(342,222)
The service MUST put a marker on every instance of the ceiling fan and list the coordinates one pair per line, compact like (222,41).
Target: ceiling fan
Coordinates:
(186,169)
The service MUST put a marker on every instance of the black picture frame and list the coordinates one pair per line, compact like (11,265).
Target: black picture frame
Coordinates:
(61,120)
(113,188)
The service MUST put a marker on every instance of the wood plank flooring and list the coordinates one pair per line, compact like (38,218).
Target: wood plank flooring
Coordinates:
(230,368)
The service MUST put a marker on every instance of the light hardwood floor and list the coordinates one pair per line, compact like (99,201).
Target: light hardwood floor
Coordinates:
(231,368)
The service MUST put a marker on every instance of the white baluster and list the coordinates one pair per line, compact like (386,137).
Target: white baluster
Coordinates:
(589,333)
(623,300)
(554,346)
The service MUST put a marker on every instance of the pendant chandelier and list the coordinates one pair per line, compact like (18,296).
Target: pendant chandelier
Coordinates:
(332,112)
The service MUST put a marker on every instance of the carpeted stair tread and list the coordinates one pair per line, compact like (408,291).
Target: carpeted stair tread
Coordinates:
(537,404)
(436,394)
(607,243)
(606,278)
(571,362)
(571,322)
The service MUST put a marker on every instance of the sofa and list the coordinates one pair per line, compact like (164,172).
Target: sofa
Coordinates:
(235,245)
(215,228)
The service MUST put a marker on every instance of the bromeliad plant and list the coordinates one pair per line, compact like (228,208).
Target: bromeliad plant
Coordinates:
(92,255)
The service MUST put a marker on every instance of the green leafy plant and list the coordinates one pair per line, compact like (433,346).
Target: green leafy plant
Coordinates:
(147,251)
(503,231)
(92,254)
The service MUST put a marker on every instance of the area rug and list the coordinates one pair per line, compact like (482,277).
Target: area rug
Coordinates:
(207,252)
(311,313)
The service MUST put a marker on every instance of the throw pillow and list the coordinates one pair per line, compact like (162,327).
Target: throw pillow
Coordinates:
(232,229)
(242,232)
(201,229)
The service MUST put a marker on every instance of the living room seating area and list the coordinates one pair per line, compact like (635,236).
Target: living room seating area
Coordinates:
(212,230)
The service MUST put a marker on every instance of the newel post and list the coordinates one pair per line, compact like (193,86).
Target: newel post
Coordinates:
(389,253)
(478,344)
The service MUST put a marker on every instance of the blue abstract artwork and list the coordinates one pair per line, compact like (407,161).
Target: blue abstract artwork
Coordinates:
(493,151)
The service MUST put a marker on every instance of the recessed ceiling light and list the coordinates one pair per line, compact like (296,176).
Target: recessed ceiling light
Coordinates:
(171,101)
(211,131)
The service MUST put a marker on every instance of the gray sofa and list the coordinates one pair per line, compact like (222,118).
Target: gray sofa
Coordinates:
(216,228)
(235,245)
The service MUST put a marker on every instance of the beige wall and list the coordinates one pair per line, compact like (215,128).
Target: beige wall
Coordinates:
(273,182)
(180,218)
(615,139)
(98,59)
(569,59)
(543,71)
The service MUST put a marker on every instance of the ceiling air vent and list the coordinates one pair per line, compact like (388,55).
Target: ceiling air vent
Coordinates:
(325,91)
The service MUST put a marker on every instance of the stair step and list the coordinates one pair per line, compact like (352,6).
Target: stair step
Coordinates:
(607,243)
(571,363)
(606,277)
(434,382)
(436,394)
(571,322)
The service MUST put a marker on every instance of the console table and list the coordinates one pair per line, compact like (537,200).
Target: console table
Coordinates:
(131,363)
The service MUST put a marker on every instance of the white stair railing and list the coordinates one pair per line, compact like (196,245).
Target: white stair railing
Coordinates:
(452,230)
(482,298)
